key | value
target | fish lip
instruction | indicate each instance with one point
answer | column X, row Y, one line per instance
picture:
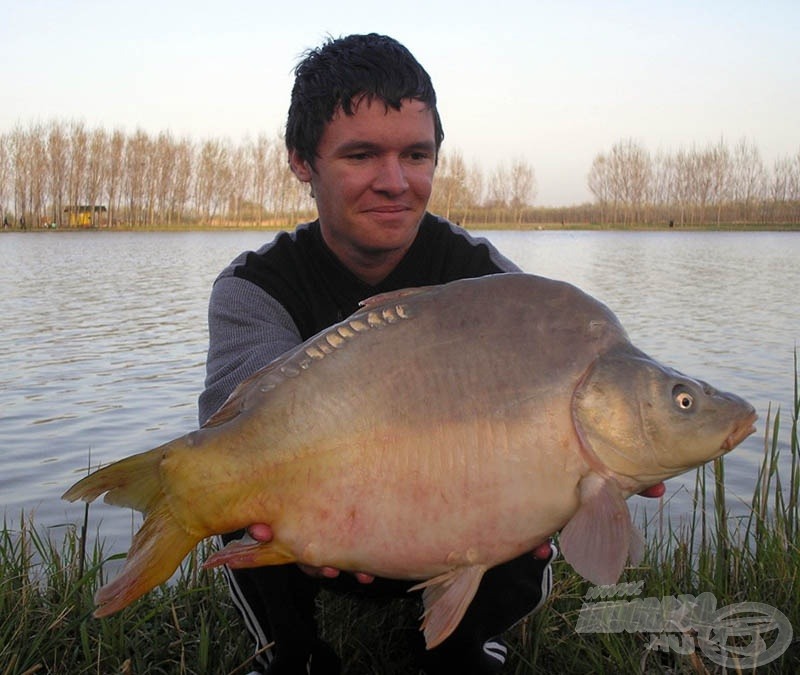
column 740, row 432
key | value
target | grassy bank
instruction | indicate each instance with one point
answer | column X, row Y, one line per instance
column 47, row 581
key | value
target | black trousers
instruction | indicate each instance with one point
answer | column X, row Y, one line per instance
column 278, row 605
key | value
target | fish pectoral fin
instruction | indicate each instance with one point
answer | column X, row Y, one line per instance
column 446, row 598
column 599, row 538
column 247, row 552
column 636, row 546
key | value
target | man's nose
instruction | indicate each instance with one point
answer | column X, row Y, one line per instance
column 391, row 176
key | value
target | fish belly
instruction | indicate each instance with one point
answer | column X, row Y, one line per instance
column 412, row 502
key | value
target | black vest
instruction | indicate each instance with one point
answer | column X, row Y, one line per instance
column 301, row 272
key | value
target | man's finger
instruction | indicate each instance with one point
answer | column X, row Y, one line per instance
column 260, row 532
column 656, row 490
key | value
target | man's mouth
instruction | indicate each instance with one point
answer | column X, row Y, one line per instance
column 388, row 208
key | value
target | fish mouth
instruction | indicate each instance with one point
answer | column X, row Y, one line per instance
column 740, row 432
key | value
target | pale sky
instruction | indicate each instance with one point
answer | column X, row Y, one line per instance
column 554, row 83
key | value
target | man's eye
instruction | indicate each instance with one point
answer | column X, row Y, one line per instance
column 420, row 157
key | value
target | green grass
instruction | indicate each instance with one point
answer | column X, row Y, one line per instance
column 47, row 580
column 46, row 624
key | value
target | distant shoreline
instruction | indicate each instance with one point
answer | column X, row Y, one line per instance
column 526, row 227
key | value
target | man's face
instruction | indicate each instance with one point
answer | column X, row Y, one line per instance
column 372, row 180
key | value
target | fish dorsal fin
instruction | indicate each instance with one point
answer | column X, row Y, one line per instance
column 599, row 538
column 235, row 403
column 446, row 598
column 294, row 362
column 390, row 296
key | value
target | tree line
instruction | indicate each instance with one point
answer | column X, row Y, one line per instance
column 699, row 185
column 138, row 179
column 49, row 171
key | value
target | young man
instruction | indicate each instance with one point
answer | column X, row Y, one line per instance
column 363, row 131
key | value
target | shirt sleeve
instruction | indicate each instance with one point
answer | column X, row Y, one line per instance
column 247, row 329
column 479, row 244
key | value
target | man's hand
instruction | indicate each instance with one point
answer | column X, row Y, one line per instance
column 543, row 551
column 260, row 532
column 263, row 532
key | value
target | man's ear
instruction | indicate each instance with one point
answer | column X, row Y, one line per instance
column 300, row 167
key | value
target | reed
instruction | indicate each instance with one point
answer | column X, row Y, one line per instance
column 46, row 626
column 48, row 578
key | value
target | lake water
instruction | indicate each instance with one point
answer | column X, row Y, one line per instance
column 104, row 337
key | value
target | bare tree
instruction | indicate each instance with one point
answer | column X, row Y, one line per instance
column 599, row 182
column 20, row 163
column 288, row 197
column 700, row 180
column 136, row 166
column 523, row 188
column 213, row 178
column 720, row 176
column 631, row 171
column 663, row 187
column 165, row 165
column 183, row 177
column 450, row 189
column 499, row 191
column 5, row 174
column 780, row 189
column 622, row 179
column 242, row 171
column 37, row 149
column 793, row 191
column 114, row 167
column 261, row 152
column 96, row 171
column 78, row 154
column 749, row 178
column 475, row 185
column 58, row 160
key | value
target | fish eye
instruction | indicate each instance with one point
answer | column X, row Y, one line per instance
column 683, row 399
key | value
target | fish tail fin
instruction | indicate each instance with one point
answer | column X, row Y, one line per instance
column 157, row 549
column 134, row 482
column 161, row 542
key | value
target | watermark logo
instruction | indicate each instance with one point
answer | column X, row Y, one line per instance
column 743, row 635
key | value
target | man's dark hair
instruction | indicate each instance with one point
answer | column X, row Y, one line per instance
column 343, row 71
